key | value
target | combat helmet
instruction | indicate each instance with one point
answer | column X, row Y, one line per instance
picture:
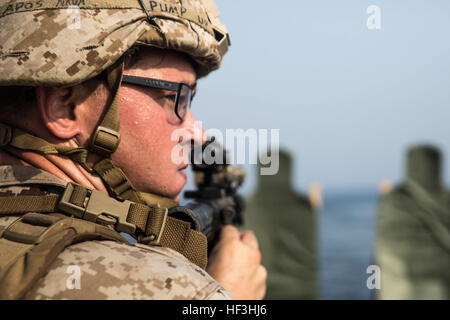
column 62, row 43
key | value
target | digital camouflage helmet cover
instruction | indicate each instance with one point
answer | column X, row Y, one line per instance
column 65, row 42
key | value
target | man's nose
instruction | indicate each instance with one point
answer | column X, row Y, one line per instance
column 194, row 128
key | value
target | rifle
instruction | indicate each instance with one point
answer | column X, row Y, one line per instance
column 215, row 202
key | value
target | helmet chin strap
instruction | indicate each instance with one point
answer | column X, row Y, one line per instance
column 104, row 142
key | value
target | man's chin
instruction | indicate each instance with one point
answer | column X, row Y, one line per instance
column 172, row 190
column 180, row 183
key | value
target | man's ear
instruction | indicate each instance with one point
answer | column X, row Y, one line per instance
column 56, row 108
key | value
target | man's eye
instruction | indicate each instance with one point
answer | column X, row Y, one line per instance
column 167, row 101
column 170, row 97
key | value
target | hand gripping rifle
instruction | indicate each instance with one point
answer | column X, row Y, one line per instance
column 215, row 202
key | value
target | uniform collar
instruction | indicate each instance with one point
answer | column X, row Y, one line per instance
column 16, row 175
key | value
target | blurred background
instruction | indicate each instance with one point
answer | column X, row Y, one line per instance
column 348, row 101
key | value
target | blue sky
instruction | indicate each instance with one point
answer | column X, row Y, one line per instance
column 348, row 100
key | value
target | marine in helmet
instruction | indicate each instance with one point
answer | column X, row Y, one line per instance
column 89, row 99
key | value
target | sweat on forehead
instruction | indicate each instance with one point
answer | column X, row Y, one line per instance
column 140, row 56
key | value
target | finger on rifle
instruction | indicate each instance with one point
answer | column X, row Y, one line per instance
column 229, row 232
column 249, row 238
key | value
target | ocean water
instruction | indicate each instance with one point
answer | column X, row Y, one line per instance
column 346, row 243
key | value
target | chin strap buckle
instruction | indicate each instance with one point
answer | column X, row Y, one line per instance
column 105, row 141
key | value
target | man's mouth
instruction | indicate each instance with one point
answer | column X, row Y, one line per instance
column 183, row 174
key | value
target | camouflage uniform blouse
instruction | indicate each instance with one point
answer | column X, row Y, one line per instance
column 108, row 269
